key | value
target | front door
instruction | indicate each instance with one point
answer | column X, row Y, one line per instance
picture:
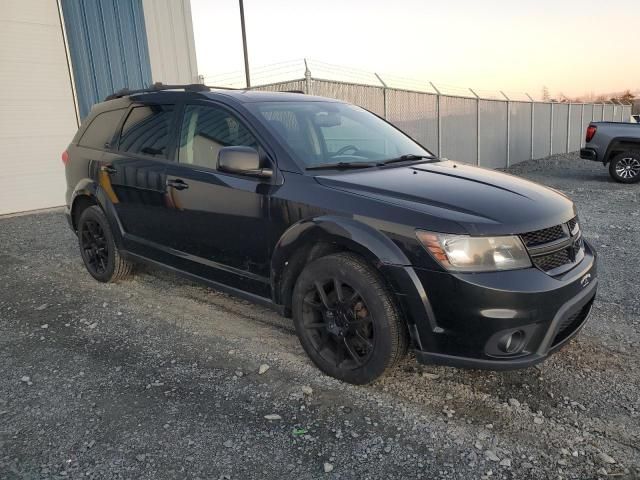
column 217, row 222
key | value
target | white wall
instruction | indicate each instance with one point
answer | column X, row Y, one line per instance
column 37, row 112
column 170, row 37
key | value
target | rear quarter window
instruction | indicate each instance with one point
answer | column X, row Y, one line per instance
column 101, row 129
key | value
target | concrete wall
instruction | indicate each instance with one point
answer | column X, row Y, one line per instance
column 170, row 38
column 37, row 112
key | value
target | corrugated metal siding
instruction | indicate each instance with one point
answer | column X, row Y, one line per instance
column 170, row 38
column 108, row 46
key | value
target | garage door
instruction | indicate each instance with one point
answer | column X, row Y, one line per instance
column 37, row 113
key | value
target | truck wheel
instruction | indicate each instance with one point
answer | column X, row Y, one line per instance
column 347, row 320
column 625, row 167
column 98, row 247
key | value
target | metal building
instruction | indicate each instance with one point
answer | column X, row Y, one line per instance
column 58, row 58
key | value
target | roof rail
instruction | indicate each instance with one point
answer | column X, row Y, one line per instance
column 158, row 87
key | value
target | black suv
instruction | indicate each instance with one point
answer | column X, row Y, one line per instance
column 333, row 216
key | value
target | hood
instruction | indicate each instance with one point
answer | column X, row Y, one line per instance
column 481, row 201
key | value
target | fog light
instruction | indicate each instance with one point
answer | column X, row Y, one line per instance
column 512, row 342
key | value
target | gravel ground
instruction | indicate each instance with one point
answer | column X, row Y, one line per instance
column 158, row 377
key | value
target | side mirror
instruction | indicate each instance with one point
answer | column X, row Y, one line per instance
column 242, row 161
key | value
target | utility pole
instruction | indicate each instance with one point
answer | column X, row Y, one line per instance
column 244, row 46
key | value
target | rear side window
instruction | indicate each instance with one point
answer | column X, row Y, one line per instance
column 146, row 131
column 101, row 129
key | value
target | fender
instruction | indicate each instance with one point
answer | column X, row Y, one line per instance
column 333, row 230
column 620, row 142
column 88, row 188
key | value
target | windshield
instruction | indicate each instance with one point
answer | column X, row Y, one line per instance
column 325, row 133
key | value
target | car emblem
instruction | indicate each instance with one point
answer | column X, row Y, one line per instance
column 584, row 281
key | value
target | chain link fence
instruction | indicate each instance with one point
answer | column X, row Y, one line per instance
column 491, row 133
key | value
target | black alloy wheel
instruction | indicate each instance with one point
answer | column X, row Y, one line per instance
column 95, row 247
column 342, row 331
column 347, row 319
column 98, row 247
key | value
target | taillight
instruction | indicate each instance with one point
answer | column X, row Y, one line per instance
column 591, row 131
column 65, row 157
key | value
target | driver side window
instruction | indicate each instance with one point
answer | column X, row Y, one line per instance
column 205, row 130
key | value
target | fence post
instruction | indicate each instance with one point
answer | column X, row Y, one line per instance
column 308, row 87
column 582, row 124
column 477, row 126
column 508, row 127
column 551, row 132
column 384, row 96
column 439, row 118
column 569, row 128
column 533, row 104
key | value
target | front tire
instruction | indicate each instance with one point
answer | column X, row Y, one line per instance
column 347, row 320
column 98, row 248
column 625, row 167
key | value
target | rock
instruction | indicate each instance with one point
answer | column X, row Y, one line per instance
column 263, row 369
column 604, row 458
column 327, row 467
column 42, row 307
column 239, row 373
column 228, row 444
column 491, row 455
column 431, row 376
column 603, row 471
column 307, row 390
column 93, row 325
column 514, row 403
column 505, row 462
column 140, row 457
column 562, row 462
column 538, row 420
column 387, row 449
column 273, row 416
column 45, row 326
column 26, row 379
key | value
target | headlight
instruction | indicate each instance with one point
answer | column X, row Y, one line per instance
column 463, row 253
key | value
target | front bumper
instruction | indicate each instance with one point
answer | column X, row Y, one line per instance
column 463, row 319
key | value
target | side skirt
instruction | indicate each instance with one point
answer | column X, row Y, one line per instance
column 211, row 283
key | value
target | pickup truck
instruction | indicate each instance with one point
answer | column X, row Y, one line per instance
column 617, row 144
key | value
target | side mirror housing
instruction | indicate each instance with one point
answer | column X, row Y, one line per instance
column 242, row 161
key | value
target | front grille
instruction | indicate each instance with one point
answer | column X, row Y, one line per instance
column 553, row 260
column 555, row 247
column 569, row 324
column 546, row 235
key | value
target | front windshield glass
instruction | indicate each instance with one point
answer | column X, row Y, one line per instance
column 321, row 133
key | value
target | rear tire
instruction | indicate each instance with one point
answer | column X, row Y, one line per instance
column 98, row 248
column 347, row 320
column 625, row 167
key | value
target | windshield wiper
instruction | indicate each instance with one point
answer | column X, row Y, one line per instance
column 342, row 165
column 406, row 158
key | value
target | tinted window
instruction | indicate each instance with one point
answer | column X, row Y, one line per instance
column 146, row 131
column 101, row 129
column 205, row 130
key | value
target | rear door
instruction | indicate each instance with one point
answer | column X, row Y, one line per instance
column 219, row 221
column 134, row 171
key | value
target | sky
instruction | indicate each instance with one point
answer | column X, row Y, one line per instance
column 574, row 47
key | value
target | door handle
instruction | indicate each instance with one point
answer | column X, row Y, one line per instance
column 108, row 169
column 177, row 184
